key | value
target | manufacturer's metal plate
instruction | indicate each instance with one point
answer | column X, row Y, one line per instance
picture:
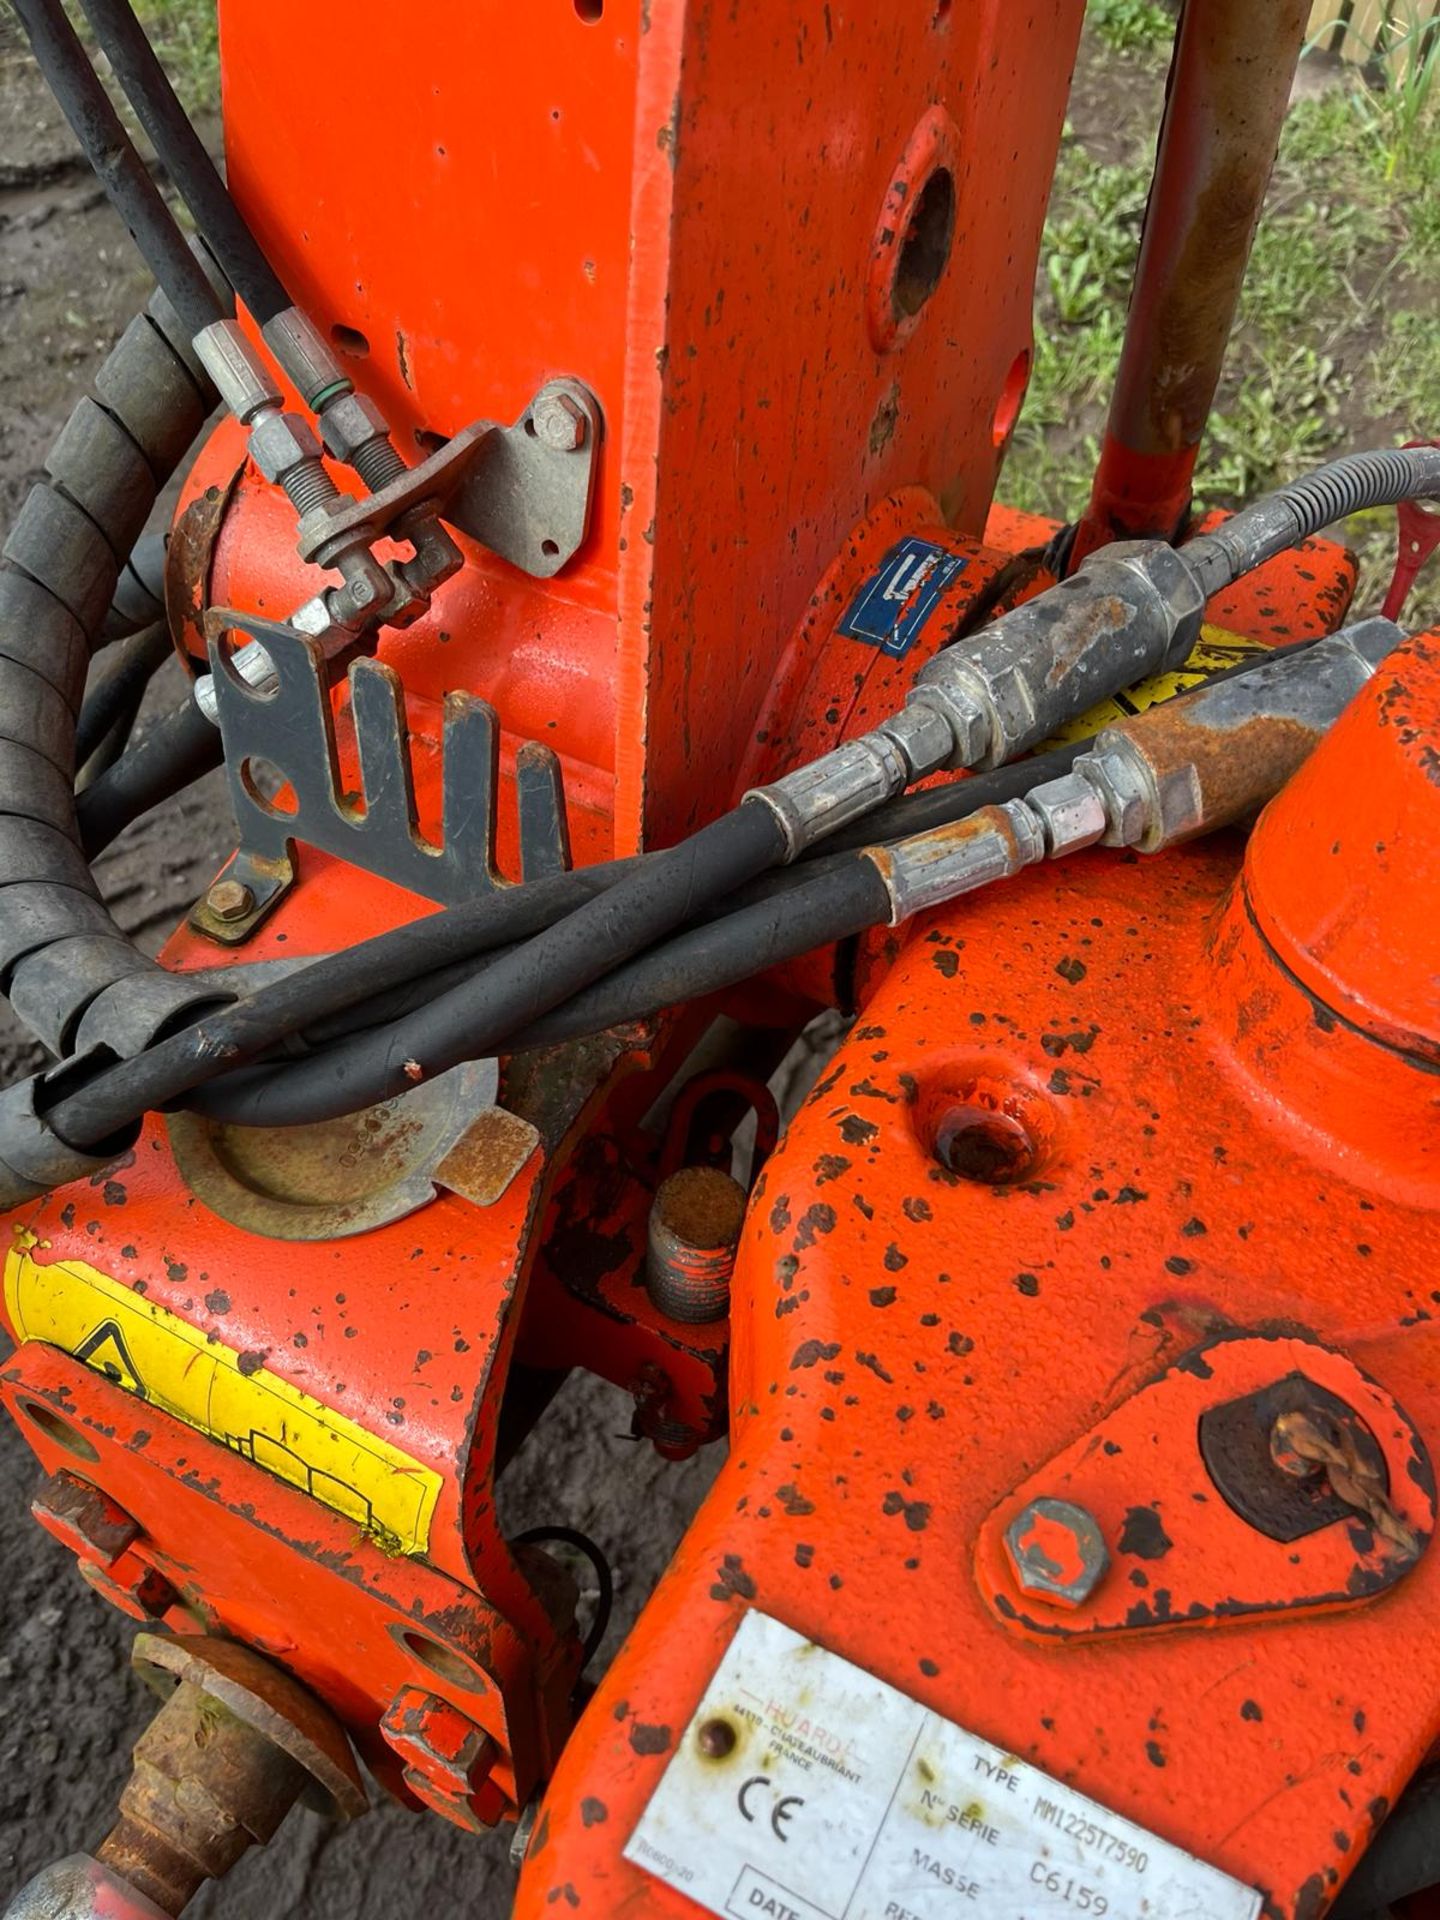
column 805, row 1789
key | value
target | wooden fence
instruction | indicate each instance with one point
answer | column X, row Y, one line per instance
column 1377, row 34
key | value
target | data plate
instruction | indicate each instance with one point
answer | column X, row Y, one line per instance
column 805, row 1789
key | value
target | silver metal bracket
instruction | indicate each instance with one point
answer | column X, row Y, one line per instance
column 524, row 491
column 527, row 494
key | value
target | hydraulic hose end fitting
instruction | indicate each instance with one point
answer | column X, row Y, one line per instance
column 828, row 793
column 305, row 354
column 240, row 375
column 1129, row 611
column 929, row 869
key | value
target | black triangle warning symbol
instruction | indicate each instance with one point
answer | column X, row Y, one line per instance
column 105, row 1350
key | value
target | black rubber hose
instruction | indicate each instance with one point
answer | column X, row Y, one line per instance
column 139, row 592
column 1402, row 1859
column 169, row 756
column 845, row 899
column 118, row 167
column 471, row 1020
column 1257, row 533
column 116, row 700
column 183, row 155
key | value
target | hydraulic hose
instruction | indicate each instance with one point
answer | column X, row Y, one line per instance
column 183, row 155
column 470, row 1020
column 1257, row 533
column 169, row 756
column 118, row 167
column 391, row 976
column 113, row 705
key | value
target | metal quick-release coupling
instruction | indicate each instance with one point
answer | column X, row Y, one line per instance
column 1131, row 610
column 1184, row 767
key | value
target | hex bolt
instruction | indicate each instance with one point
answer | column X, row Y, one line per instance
column 1057, row 1552
column 230, row 900
column 559, row 421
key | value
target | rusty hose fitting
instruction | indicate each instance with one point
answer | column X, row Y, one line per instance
column 1182, row 768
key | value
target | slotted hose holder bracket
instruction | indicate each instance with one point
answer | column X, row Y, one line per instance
column 283, row 765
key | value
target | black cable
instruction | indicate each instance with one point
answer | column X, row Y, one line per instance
column 846, row 899
column 183, row 155
column 604, row 1580
column 114, row 703
column 168, row 757
column 117, row 165
column 476, row 1016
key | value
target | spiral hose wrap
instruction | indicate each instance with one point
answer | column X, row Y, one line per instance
column 59, row 947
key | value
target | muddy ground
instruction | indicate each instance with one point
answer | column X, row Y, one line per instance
column 69, row 282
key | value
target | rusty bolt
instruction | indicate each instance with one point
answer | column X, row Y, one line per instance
column 559, row 421
column 84, row 1519
column 1057, row 1552
column 230, row 900
column 437, row 1740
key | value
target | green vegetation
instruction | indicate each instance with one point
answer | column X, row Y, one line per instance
column 1337, row 344
column 187, row 38
column 1131, row 26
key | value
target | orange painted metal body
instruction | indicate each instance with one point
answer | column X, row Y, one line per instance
column 1224, row 1165
column 703, row 216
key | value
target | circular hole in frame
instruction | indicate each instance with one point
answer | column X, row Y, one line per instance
column 350, row 341
column 441, row 1660
column 925, row 251
column 64, row 1433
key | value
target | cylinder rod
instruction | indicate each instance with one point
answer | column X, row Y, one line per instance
column 1229, row 88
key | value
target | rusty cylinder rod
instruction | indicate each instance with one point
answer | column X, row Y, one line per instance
column 1228, row 92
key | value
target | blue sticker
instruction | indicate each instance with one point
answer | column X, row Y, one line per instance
column 892, row 607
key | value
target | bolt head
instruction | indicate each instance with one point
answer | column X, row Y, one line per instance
column 230, row 900
column 559, row 421
column 1057, row 1552
column 438, row 1741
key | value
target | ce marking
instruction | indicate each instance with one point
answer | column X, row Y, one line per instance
column 782, row 1809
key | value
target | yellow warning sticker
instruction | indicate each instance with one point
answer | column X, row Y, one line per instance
column 162, row 1359
column 1213, row 652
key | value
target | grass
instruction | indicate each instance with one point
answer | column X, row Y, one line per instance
column 186, row 35
column 1336, row 344
column 1131, row 26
